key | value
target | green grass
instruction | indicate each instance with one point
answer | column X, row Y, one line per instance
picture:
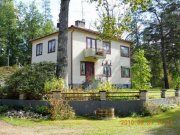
column 165, row 123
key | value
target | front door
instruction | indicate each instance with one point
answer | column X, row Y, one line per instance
column 89, row 71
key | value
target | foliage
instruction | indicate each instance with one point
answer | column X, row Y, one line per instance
column 160, row 39
column 3, row 108
column 105, row 86
column 112, row 21
column 54, row 84
column 60, row 110
column 44, row 110
column 32, row 79
column 18, row 26
column 140, row 71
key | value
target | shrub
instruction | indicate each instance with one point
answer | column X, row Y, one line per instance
column 3, row 108
column 60, row 110
column 30, row 80
column 44, row 110
column 107, row 86
column 54, row 84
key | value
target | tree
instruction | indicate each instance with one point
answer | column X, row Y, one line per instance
column 7, row 36
column 47, row 17
column 46, row 10
column 62, row 58
column 140, row 71
column 162, row 33
column 31, row 25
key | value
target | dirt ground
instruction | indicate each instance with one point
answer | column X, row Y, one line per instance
column 8, row 129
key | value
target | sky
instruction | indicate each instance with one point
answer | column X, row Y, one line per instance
column 75, row 11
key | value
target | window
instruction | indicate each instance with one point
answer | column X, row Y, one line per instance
column 51, row 46
column 107, row 47
column 91, row 43
column 107, row 71
column 125, row 72
column 82, row 68
column 124, row 51
column 39, row 49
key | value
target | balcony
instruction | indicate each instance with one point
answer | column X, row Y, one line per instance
column 95, row 54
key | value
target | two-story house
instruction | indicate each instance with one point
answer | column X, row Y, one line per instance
column 88, row 57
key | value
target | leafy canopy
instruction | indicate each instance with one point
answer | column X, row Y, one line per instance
column 141, row 72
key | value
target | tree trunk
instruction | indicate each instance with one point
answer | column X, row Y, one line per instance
column 163, row 55
column 62, row 57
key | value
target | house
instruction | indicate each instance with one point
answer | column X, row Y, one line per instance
column 88, row 58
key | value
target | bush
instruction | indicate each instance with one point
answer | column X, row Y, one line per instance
column 53, row 84
column 60, row 110
column 44, row 110
column 30, row 80
column 3, row 109
column 107, row 86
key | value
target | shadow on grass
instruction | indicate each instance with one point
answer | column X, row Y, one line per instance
column 170, row 123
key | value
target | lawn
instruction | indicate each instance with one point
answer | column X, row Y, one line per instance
column 165, row 123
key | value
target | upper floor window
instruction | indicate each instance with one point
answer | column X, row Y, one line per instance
column 91, row 43
column 125, row 72
column 51, row 46
column 124, row 51
column 39, row 49
column 107, row 47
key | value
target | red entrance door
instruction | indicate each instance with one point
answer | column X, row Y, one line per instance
column 89, row 71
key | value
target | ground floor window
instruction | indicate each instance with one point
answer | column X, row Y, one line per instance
column 107, row 71
column 82, row 68
column 125, row 72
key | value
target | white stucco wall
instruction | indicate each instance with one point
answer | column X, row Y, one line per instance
column 50, row 57
column 79, row 44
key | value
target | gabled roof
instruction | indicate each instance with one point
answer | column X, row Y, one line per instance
column 72, row 27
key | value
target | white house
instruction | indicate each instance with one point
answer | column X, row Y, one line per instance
column 88, row 57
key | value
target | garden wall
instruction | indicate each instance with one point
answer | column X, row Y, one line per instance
column 122, row 107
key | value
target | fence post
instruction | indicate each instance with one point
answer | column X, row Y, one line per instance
column 143, row 95
column 56, row 94
column 177, row 92
column 103, row 95
column 163, row 93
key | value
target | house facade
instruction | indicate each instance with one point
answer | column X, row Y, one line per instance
column 88, row 58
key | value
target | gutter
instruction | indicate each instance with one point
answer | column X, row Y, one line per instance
column 72, row 58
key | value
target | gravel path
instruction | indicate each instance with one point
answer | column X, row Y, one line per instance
column 8, row 129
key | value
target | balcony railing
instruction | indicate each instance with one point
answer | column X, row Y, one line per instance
column 94, row 53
